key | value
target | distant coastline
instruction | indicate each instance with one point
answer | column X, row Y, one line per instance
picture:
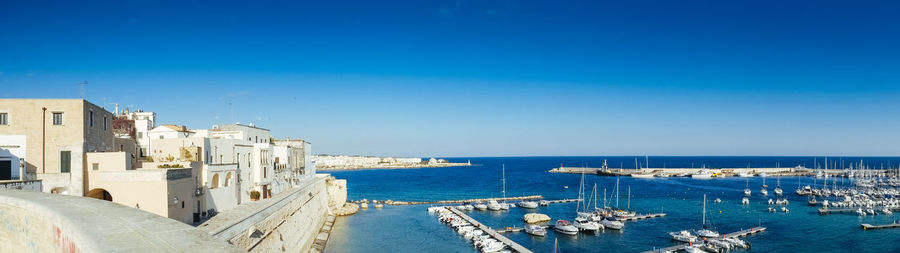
column 342, row 162
column 388, row 166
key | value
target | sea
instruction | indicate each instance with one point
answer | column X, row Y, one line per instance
column 413, row 229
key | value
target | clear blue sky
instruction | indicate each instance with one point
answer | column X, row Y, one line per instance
column 483, row 78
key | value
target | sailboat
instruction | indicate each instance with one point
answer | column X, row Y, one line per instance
column 778, row 190
column 747, row 191
column 705, row 232
column 763, row 190
column 582, row 217
column 503, row 205
column 610, row 221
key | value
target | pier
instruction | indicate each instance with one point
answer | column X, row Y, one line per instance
column 487, row 230
column 641, row 217
column 741, row 233
column 459, row 201
column 826, row 211
column 870, row 226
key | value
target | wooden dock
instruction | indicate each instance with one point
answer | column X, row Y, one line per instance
column 741, row 233
column 641, row 217
column 459, row 201
column 515, row 247
column 870, row 226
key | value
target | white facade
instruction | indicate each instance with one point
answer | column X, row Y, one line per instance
column 251, row 133
column 12, row 151
column 143, row 123
column 169, row 132
column 361, row 161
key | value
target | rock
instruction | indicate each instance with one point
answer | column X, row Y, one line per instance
column 536, row 218
column 347, row 209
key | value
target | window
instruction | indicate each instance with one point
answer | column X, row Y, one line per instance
column 4, row 118
column 161, row 137
column 91, row 118
column 65, row 161
column 57, row 118
column 140, row 135
column 104, row 122
column 95, row 166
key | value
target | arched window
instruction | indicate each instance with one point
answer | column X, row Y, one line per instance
column 228, row 179
column 215, row 181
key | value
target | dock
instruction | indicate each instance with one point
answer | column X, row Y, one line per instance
column 641, row 217
column 825, row 211
column 515, row 247
column 741, row 233
column 459, row 201
column 560, row 201
column 870, row 226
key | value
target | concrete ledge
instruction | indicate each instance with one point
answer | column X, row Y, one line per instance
column 43, row 222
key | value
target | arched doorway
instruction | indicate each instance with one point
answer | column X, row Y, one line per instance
column 99, row 193
column 215, row 181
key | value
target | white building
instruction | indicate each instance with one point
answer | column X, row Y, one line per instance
column 169, row 132
column 143, row 123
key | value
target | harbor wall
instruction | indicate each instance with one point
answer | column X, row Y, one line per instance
column 289, row 221
column 47, row 222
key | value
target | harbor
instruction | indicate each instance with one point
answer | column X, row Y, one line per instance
column 468, row 226
column 680, row 198
column 737, row 234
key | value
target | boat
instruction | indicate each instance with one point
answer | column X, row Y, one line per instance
column 379, row 205
column 544, row 203
column 586, row 225
column 718, row 200
column 704, row 231
column 763, row 174
column 784, row 209
column 704, row 174
column 364, row 205
column 887, row 211
column 745, row 174
column 642, row 175
column 493, row 205
column 721, row 244
column 747, row 191
column 480, row 206
column 535, row 230
column 737, row 242
column 528, row 204
column 745, row 201
column 612, row 223
column 565, row 227
column 871, row 211
column 683, row 236
column 860, row 212
column 778, row 190
column 693, row 249
column 812, row 201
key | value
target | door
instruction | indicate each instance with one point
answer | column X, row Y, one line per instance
column 5, row 170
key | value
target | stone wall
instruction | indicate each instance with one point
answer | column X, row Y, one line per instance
column 27, row 185
column 46, row 222
column 287, row 222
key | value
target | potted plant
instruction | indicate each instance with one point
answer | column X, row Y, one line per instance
column 254, row 195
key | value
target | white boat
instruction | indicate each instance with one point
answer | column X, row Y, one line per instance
column 887, row 211
column 683, row 236
column 612, row 223
column 693, row 249
column 860, row 212
column 528, row 204
column 565, row 227
column 642, row 175
column 586, row 225
column 871, row 211
column 763, row 174
column 721, row 244
column 704, row 232
column 747, row 192
column 745, row 174
column 470, row 207
column 738, row 242
column 504, row 206
column 718, row 200
column 778, row 190
column 480, row 206
column 535, row 230
column 493, row 205
column 704, row 174
column 764, row 192
column 784, row 209
column 745, row 201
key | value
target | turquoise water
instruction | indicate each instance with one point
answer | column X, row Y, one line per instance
column 412, row 229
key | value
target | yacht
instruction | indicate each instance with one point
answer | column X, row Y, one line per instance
column 738, row 242
column 493, row 205
column 586, row 225
column 705, row 232
column 642, row 175
column 565, row 227
column 778, row 190
column 612, row 223
column 535, row 230
column 683, row 236
column 480, row 206
column 747, row 191
column 528, row 204
column 704, row 174
column 812, row 201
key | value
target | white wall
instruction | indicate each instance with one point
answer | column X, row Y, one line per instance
column 12, row 148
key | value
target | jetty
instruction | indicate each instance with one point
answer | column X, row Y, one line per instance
column 870, row 226
column 741, row 233
column 459, row 201
column 825, row 211
column 686, row 172
column 641, row 217
column 493, row 233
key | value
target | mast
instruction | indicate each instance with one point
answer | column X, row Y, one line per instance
column 605, row 204
column 617, row 192
column 629, row 197
column 503, row 173
column 595, row 196
column 704, row 210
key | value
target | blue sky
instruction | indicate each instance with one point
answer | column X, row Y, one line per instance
column 482, row 78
